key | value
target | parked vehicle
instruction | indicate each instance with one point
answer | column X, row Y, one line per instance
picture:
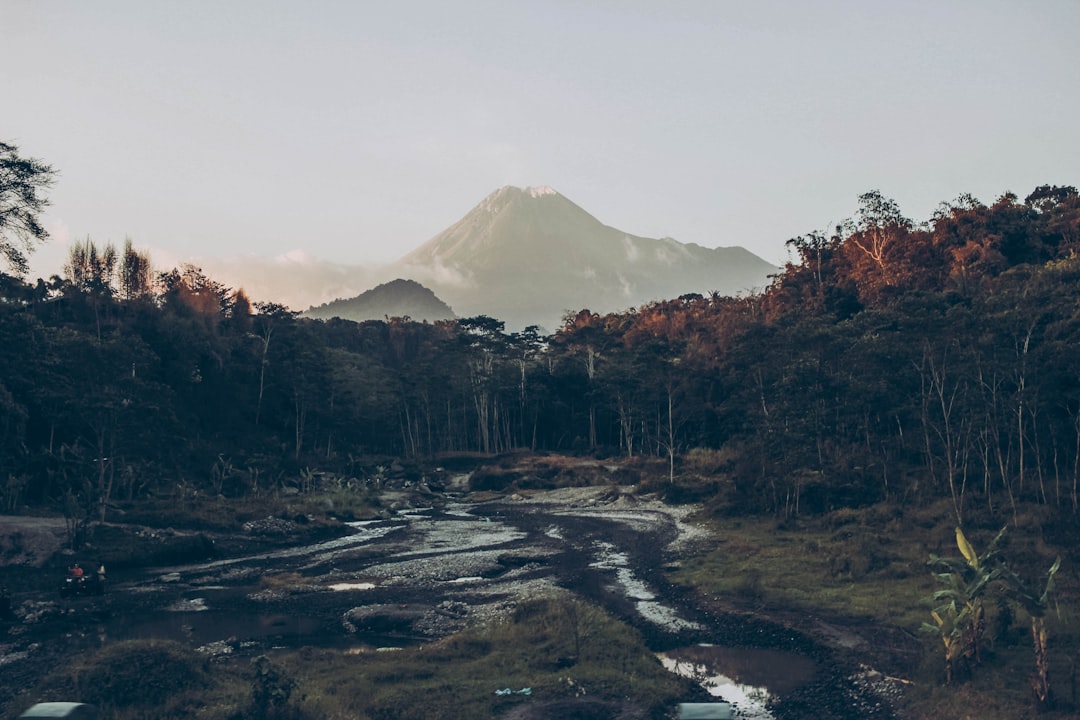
column 73, row 710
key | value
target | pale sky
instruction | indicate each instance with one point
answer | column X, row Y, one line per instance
column 356, row 131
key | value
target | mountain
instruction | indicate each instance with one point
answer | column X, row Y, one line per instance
column 528, row 256
column 397, row 298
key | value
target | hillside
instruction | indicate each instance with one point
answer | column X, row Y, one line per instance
column 397, row 298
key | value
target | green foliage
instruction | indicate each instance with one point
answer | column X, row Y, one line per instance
column 960, row 618
column 959, row 614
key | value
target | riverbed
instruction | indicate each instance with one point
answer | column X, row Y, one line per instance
column 426, row 572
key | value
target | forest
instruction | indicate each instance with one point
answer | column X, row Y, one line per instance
column 889, row 359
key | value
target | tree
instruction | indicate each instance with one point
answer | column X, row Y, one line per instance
column 22, row 181
column 91, row 270
column 486, row 348
column 133, row 275
column 270, row 315
column 880, row 230
column 1058, row 208
column 816, row 252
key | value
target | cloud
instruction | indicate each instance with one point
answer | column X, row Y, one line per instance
column 669, row 252
column 58, row 229
column 294, row 279
column 437, row 273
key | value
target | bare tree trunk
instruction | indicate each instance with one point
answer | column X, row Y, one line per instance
column 263, row 362
column 671, row 437
column 1076, row 466
column 1040, row 681
column 301, row 420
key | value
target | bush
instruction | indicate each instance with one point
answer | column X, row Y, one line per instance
column 491, row 480
column 142, row 673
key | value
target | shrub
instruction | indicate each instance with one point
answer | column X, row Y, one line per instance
column 142, row 672
column 491, row 480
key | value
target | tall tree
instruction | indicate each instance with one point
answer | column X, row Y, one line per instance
column 133, row 276
column 876, row 243
column 1059, row 213
column 22, row 185
column 91, row 269
column 269, row 317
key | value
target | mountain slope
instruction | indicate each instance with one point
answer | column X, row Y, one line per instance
column 528, row 256
column 397, row 298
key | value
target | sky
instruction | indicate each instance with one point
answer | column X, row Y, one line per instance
column 239, row 134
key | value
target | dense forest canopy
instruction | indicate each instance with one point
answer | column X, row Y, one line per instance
column 888, row 359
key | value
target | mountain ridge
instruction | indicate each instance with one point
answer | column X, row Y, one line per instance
column 530, row 256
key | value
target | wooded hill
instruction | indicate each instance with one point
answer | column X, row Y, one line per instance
column 889, row 359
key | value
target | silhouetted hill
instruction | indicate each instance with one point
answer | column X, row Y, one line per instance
column 397, row 298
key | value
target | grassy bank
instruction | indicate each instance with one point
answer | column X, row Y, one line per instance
column 869, row 567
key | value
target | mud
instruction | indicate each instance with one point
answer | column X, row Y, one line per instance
column 428, row 572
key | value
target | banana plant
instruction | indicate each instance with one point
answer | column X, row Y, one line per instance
column 1037, row 604
column 966, row 581
column 949, row 623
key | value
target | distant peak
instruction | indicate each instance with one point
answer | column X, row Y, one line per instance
column 497, row 201
column 534, row 191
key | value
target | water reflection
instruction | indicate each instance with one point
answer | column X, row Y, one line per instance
column 748, row 678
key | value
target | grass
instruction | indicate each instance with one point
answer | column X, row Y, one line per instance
column 870, row 564
column 836, row 564
column 556, row 646
column 206, row 512
column 128, row 679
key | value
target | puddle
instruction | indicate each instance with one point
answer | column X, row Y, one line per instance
column 748, row 678
column 636, row 589
column 554, row 532
column 413, row 512
column 343, row 586
column 200, row 625
column 192, row 605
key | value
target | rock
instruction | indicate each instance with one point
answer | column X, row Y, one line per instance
column 270, row 526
